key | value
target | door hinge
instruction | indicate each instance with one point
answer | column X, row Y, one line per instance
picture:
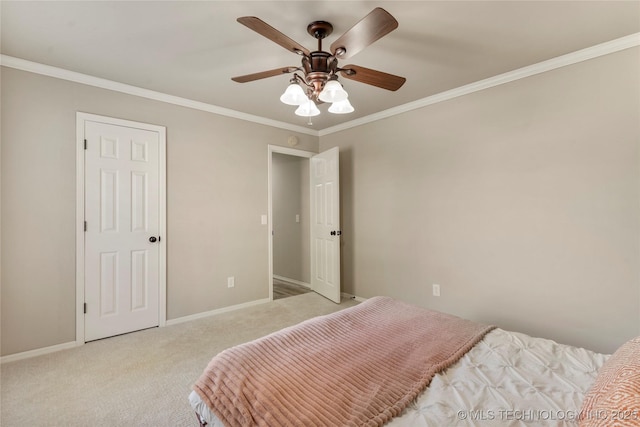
column 85, row 226
column 85, row 308
column 85, row 144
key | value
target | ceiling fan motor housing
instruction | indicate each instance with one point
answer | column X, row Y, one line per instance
column 317, row 69
column 317, row 66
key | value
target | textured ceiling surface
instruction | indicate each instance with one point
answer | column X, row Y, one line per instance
column 192, row 49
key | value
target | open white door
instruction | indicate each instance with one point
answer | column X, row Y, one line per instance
column 325, row 224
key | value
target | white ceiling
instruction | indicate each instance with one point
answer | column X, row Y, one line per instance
column 192, row 49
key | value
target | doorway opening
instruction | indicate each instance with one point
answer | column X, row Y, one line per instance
column 289, row 204
column 303, row 212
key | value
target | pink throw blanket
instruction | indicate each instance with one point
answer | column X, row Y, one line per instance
column 357, row 367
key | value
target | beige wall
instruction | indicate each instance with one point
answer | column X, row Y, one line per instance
column 290, row 197
column 216, row 193
column 522, row 201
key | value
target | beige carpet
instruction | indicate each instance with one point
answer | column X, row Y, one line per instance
column 139, row 379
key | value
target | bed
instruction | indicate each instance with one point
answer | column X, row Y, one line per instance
column 385, row 362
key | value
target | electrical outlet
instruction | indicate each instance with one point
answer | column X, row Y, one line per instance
column 231, row 282
column 436, row 290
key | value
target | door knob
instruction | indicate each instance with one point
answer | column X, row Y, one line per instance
column 152, row 239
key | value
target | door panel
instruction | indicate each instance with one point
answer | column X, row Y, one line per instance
column 108, row 283
column 325, row 224
column 122, row 212
column 139, row 280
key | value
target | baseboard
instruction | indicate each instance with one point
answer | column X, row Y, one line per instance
column 38, row 352
column 216, row 311
column 293, row 281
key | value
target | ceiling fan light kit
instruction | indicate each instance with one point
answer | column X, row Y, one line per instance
column 341, row 107
column 333, row 92
column 319, row 70
column 307, row 109
column 294, row 95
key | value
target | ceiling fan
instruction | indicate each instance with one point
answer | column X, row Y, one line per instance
column 320, row 68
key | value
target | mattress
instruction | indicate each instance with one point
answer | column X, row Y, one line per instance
column 507, row 379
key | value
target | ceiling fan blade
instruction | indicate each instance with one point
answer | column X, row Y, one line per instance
column 264, row 74
column 266, row 30
column 372, row 77
column 372, row 27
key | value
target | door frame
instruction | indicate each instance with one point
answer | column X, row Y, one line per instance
column 81, row 118
column 280, row 150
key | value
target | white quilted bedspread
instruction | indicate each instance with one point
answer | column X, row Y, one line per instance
column 507, row 379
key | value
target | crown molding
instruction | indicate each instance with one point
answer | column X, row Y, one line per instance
column 60, row 73
column 616, row 45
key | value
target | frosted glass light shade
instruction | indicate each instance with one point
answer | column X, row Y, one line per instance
column 333, row 92
column 308, row 109
column 341, row 107
column 294, row 95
